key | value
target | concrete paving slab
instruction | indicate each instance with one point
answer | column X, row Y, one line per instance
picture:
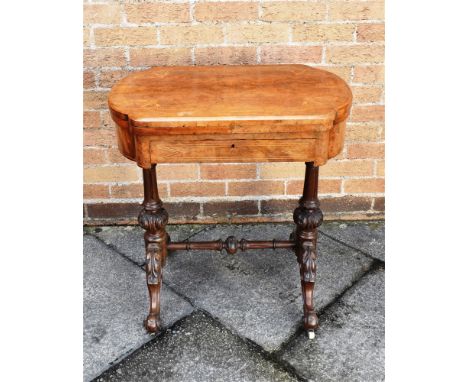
column 115, row 305
column 197, row 349
column 350, row 343
column 257, row 293
column 368, row 236
column 129, row 240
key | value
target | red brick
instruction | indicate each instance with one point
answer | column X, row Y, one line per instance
column 366, row 94
column 356, row 10
column 290, row 54
column 198, row 189
column 228, row 171
column 89, row 80
column 159, row 12
column 125, row 36
column 379, row 204
column 323, row 32
column 226, row 11
column 282, row 170
column 336, row 168
column 364, row 185
column 326, row 186
column 93, row 100
column 328, row 205
column 362, row 132
column 262, row 187
column 106, row 120
column 126, row 191
column 91, row 120
column 275, row 206
column 115, row 157
column 293, row 11
column 230, row 208
column 370, row 113
column 94, row 156
column 135, row 190
column 345, row 204
column 95, row 191
column 355, row 54
column 177, row 171
column 86, row 37
column 116, row 212
column 108, row 78
column 366, row 150
column 370, row 74
column 371, row 32
column 343, row 72
column 99, row 137
column 380, row 168
column 191, row 34
column 103, row 57
column 226, row 55
column 257, row 33
column 103, row 174
column 160, row 56
column 101, row 14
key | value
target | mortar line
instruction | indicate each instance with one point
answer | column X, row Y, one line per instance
column 251, row 346
column 171, row 287
column 288, row 343
column 260, row 350
column 257, row 348
column 274, row 356
column 368, row 255
column 114, row 249
column 153, row 337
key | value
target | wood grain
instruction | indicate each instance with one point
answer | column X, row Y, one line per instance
column 196, row 105
column 255, row 113
column 233, row 150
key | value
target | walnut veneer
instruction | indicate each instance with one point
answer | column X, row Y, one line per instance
column 257, row 113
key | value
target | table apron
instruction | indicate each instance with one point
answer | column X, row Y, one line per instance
column 236, row 150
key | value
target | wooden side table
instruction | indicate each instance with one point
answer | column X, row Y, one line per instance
column 258, row 113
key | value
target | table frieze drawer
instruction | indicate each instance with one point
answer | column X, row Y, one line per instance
column 233, row 150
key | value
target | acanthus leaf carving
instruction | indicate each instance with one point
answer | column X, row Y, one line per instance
column 153, row 220
column 308, row 219
column 153, row 262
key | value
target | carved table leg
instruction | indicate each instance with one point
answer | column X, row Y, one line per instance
column 153, row 218
column 308, row 217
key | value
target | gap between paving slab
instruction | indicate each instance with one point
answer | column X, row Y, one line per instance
column 199, row 348
column 367, row 237
column 115, row 304
column 285, row 344
column 256, row 293
column 351, row 343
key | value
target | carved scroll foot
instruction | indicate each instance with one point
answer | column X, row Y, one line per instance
column 153, row 322
column 154, row 221
column 308, row 217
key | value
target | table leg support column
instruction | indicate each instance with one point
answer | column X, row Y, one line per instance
column 308, row 217
column 153, row 219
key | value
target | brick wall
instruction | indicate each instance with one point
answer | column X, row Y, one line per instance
column 345, row 37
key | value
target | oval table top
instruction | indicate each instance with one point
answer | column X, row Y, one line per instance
column 197, row 96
